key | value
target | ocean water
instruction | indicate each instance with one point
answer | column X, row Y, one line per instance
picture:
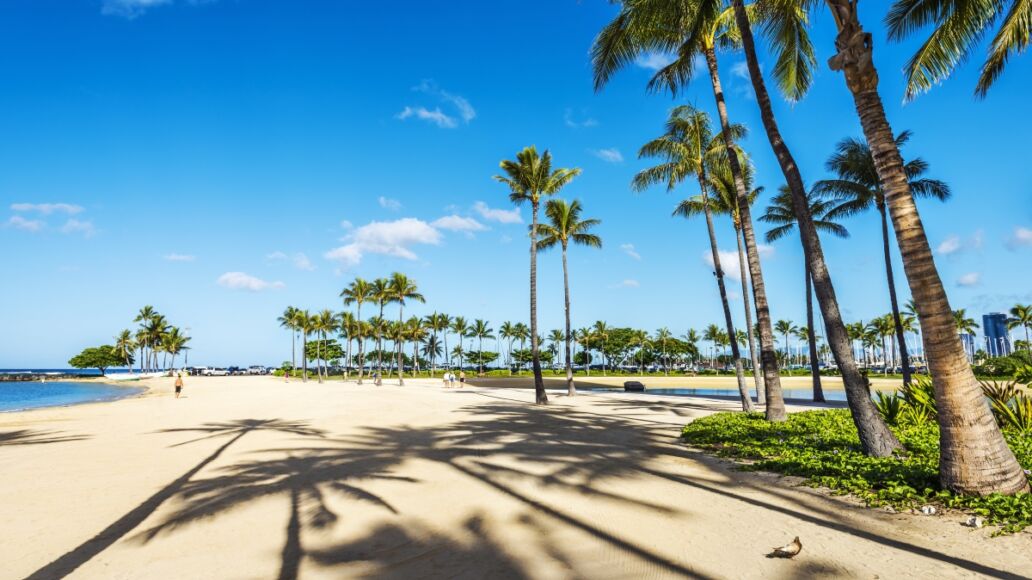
column 21, row 395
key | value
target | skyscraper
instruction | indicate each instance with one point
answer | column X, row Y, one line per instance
column 997, row 341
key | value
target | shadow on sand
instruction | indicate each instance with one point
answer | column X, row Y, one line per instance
column 36, row 437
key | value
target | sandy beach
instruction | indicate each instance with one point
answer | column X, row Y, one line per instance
column 251, row 477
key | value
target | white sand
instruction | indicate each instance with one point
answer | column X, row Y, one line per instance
column 253, row 478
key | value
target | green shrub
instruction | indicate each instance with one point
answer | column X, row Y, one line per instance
column 823, row 448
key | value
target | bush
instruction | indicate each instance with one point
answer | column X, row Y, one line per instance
column 823, row 448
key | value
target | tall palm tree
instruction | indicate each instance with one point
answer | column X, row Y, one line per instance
column 460, row 327
column 304, row 324
column 358, row 292
column 326, row 323
column 416, row 332
column 785, row 328
column 444, row 321
column 640, row 338
column 507, row 332
column 175, row 341
column 957, row 29
column 124, row 347
column 432, row 350
column 1021, row 317
column 530, row 178
column 555, row 337
column 858, row 185
column 155, row 327
column 402, row 289
column 964, row 324
column 435, row 323
column 692, row 339
column 565, row 225
column 689, row 148
column 287, row 320
column 662, row 337
column 781, row 214
column 712, row 333
column 725, row 201
column 690, row 29
column 143, row 317
column 882, row 327
column 347, row 326
column 481, row 330
column 974, row 456
column 380, row 293
column 600, row 331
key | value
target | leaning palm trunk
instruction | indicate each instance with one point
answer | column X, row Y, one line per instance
column 719, row 272
column 974, row 457
column 761, row 398
column 540, row 397
column 875, row 437
column 811, row 336
column 401, row 363
column 904, row 356
column 571, row 390
column 774, row 400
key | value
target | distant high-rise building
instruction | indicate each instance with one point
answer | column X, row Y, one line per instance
column 997, row 341
column 968, row 341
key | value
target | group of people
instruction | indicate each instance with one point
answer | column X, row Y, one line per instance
column 449, row 378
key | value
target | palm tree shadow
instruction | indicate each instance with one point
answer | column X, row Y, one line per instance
column 36, row 437
column 235, row 430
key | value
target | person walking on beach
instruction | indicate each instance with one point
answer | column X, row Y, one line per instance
column 179, row 384
column 445, row 376
column 462, row 378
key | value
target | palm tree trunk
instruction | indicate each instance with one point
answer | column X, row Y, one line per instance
column 815, row 365
column 540, row 397
column 761, row 397
column 719, row 273
column 875, row 437
column 904, row 356
column 361, row 342
column 293, row 350
column 775, row 403
column 974, row 457
column 570, row 389
column 304, row 356
column 401, row 367
column 379, row 341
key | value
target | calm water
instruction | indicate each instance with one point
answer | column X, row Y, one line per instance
column 805, row 394
column 17, row 396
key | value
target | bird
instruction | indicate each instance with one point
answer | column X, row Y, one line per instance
column 789, row 550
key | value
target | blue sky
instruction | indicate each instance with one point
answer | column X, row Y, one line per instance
column 223, row 159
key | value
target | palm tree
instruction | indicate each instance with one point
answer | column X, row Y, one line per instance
column 1021, row 317
column 974, row 458
column 287, row 320
column 555, row 337
column 882, row 327
column 401, row 289
column 858, row 185
column 326, row 322
column 688, row 147
column 565, row 225
column 964, row 324
column 957, row 29
column 507, row 332
column 640, row 338
column 712, row 333
column 175, row 341
column 432, row 350
column 444, row 323
column 692, row 338
column 781, row 214
column 529, row 178
column 690, row 29
column 347, row 325
column 124, row 347
column 304, row 324
column 600, row 331
column 663, row 335
column 416, row 332
column 460, row 327
column 436, row 323
column 380, row 293
column 155, row 327
column 143, row 317
column 357, row 292
column 481, row 330
column 785, row 328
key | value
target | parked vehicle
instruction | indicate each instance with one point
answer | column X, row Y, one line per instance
column 215, row 372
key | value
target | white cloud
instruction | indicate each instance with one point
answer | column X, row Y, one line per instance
column 574, row 123
column 388, row 203
column 950, row 245
column 729, row 260
column 466, row 111
column 630, row 251
column 627, row 283
column 654, row 60
column 505, row 216
column 1021, row 238
column 456, row 223
column 741, row 70
column 437, row 116
column 242, row 281
column 299, row 260
column 393, row 238
column 19, row 223
column 173, row 257
column 74, row 226
column 969, row 279
column 347, row 225
column 611, row 155
column 47, row 208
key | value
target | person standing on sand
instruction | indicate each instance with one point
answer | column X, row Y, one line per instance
column 445, row 380
column 179, row 384
column 462, row 378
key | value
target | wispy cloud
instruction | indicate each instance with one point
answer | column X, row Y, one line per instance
column 729, row 260
column 244, row 281
column 74, row 226
column 298, row 259
column 654, row 60
column 174, row 257
column 1021, row 238
column 950, row 245
column 19, row 223
column 504, row 216
column 611, row 155
column 970, row 279
column 393, row 238
column 388, row 203
column 463, row 110
column 627, row 283
column 457, row 223
column 741, row 70
column 578, row 123
column 47, row 208
column 629, row 250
